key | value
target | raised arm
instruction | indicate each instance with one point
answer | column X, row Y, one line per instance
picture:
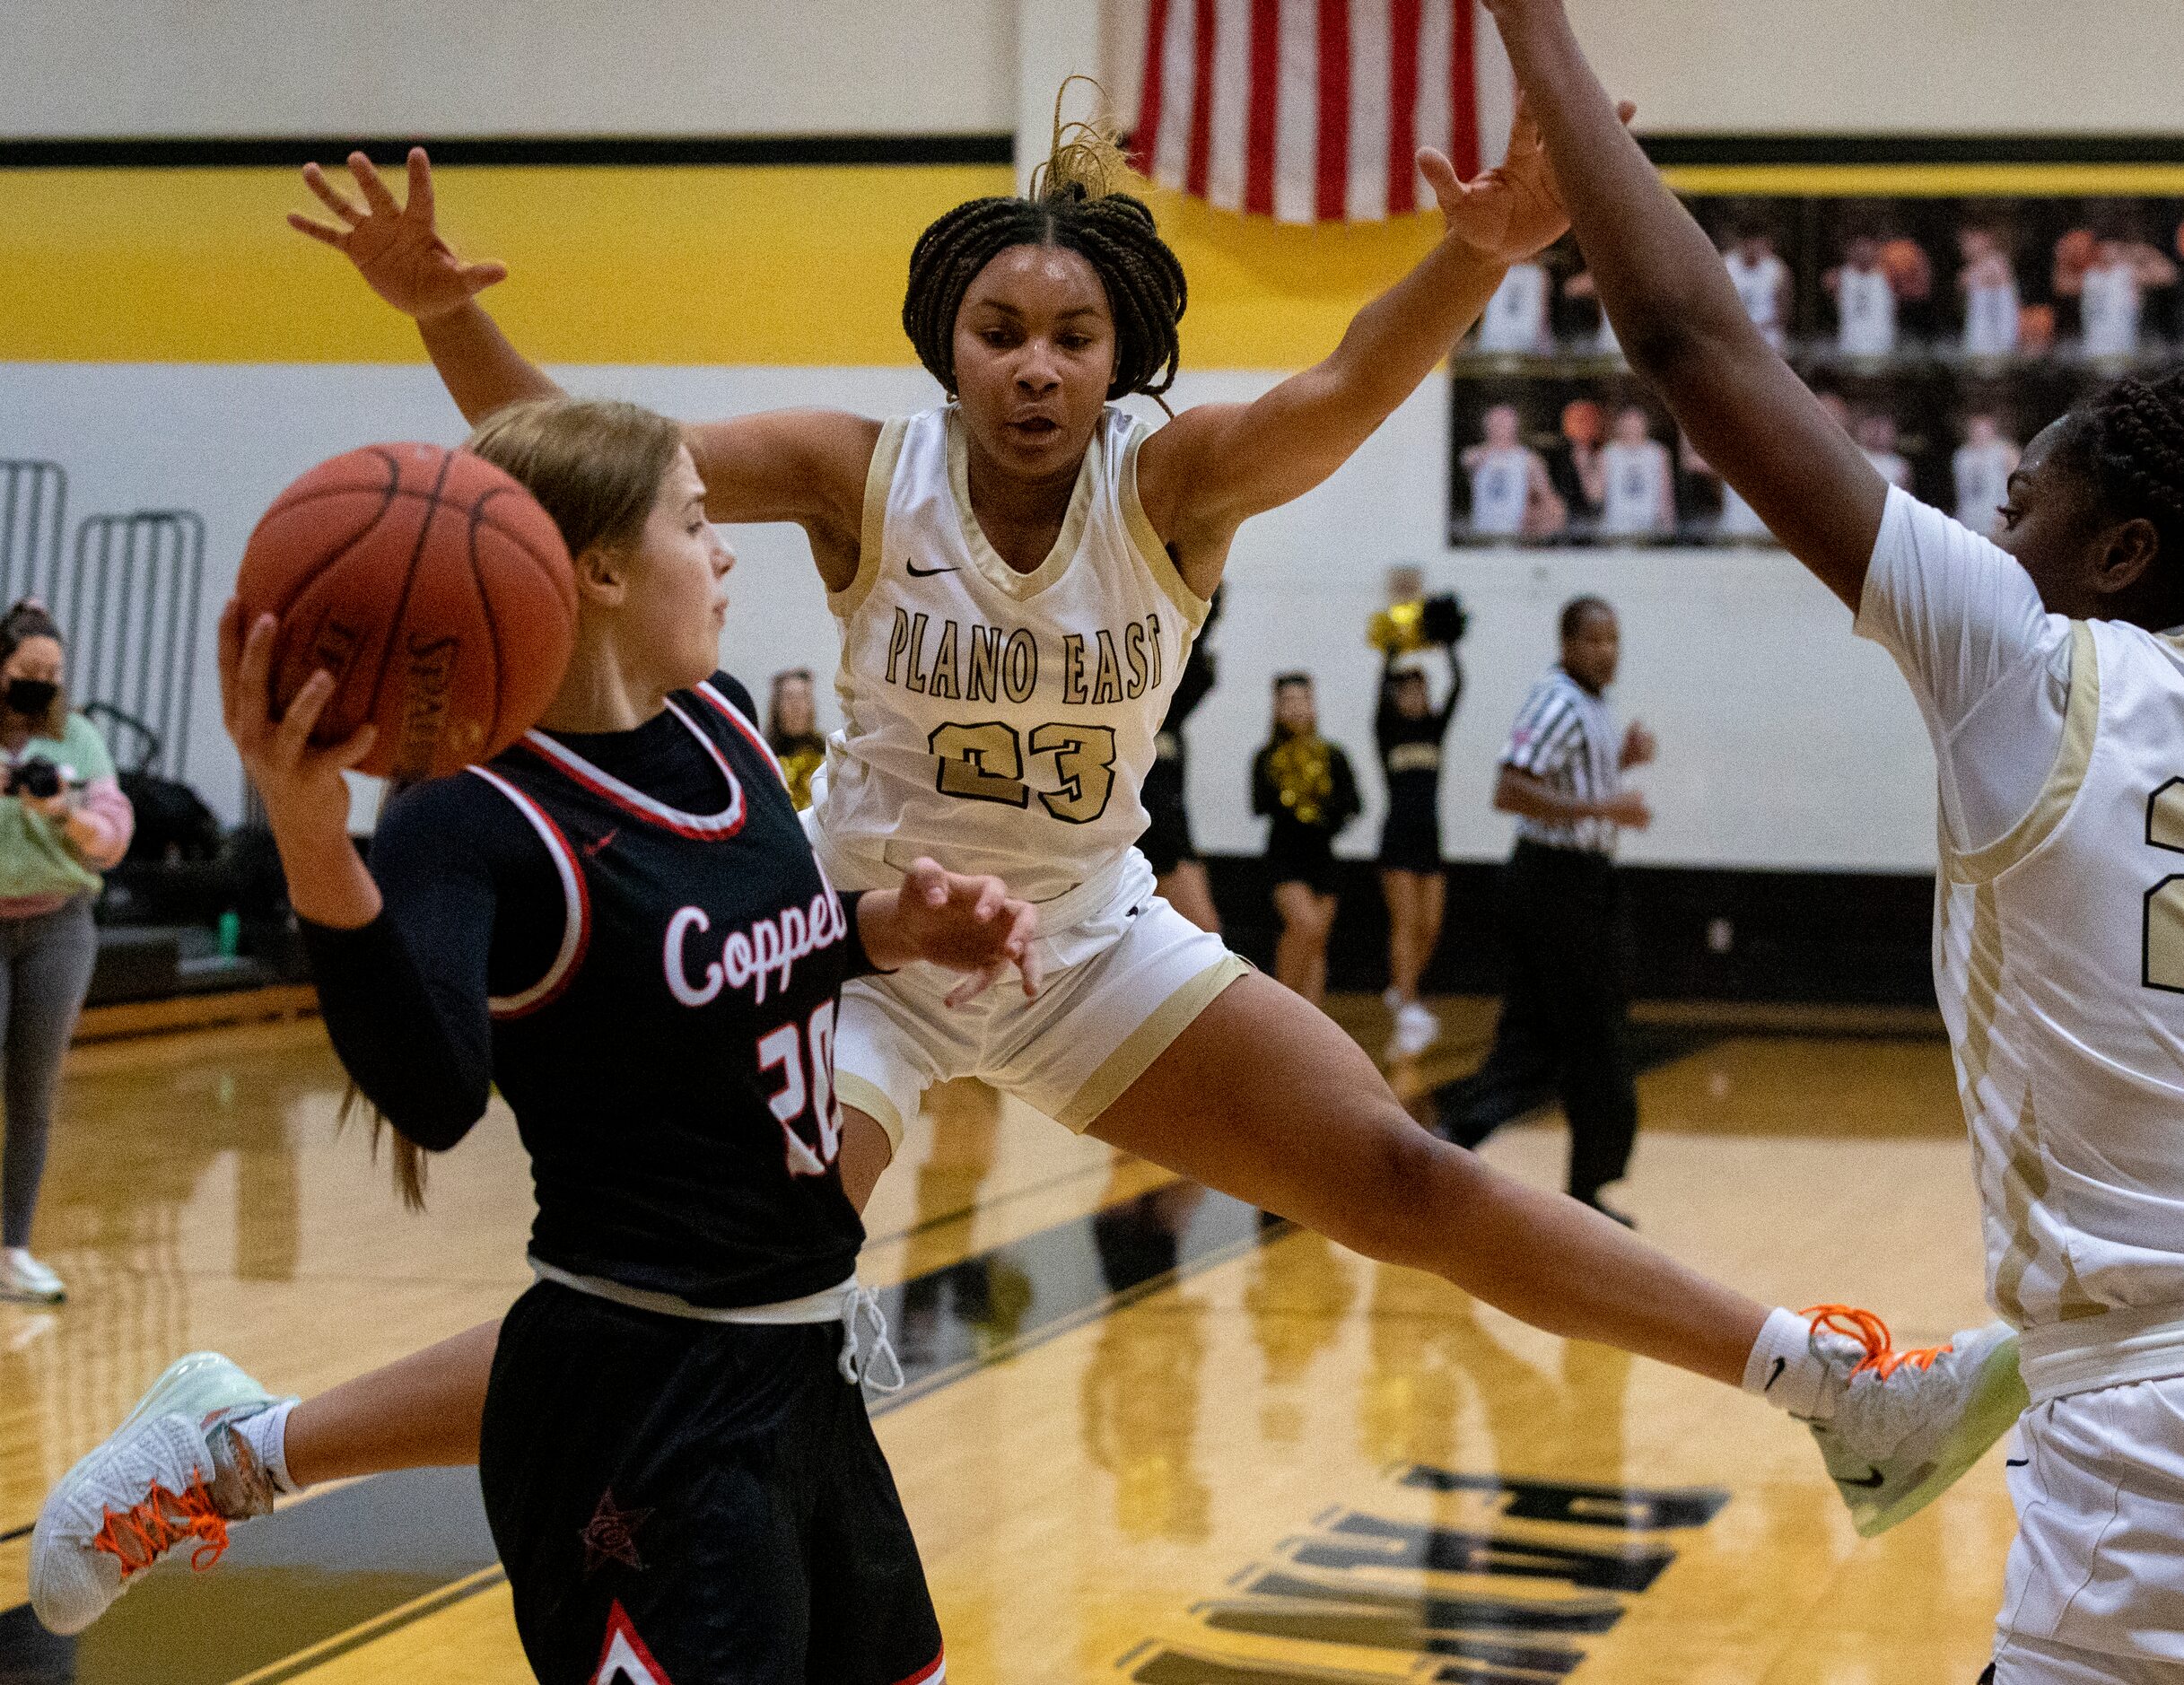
column 1679, row 321
column 1215, row 465
column 802, row 466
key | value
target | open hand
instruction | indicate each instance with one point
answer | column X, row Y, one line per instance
column 1640, row 746
column 396, row 248
column 300, row 782
column 972, row 925
column 1627, row 808
column 1514, row 211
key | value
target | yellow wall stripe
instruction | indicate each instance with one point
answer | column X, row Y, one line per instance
column 792, row 265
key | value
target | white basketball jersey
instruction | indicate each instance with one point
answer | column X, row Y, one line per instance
column 1991, row 320
column 1982, row 482
column 1516, row 317
column 1759, row 286
column 1501, row 490
column 2109, row 309
column 1866, row 312
column 1739, row 520
column 999, row 721
column 2059, row 956
column 1636, row 484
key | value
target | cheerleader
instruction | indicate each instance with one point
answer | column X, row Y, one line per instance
column 792, row 732
column 1410, row 731
column 1304, row 788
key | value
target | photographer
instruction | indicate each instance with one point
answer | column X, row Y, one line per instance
column 63, row 821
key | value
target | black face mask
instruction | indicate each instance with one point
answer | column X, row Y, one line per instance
column 31, row 697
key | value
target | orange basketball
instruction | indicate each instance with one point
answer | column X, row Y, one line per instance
column 431, row 586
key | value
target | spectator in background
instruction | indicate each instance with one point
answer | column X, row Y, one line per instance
column 1305, row 787
column 792, row 732
column 1179, row 871
column 1988, row 282
column 63, row 821
column 1982, row 466
column 1563, row 1010
column 1511, row 495
column 1632, row 482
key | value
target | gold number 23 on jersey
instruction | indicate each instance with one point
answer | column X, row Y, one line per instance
column 985, row 762
column 2162, row 949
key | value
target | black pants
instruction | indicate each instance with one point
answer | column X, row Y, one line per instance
column 1562, row 1018
column 706, row 1499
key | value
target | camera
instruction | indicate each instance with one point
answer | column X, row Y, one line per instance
column 37, row 777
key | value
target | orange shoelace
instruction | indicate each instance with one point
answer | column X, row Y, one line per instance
column 1870, row 1332
column 138, row 1536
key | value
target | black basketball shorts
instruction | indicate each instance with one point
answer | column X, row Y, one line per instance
column 689, row 1503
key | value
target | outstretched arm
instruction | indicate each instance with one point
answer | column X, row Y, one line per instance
column 802, row 466
column 1215, row 465
column 1681, row 323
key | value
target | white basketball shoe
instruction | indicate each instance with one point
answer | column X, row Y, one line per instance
column 1907, row 1424
column 172, row 1473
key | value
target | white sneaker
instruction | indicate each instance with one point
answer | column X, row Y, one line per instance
column 1416, row 1030
column 157, row 1482
column 1907, row 1424
column 26, row 1280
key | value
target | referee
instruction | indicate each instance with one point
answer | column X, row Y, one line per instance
column 1562, row 1014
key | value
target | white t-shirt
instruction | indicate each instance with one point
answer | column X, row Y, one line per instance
column 1990, row 666
column 2110, row 308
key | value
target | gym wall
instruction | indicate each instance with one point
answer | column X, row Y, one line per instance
column 172, row 343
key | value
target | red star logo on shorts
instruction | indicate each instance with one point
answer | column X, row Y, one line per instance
column 611, row 1535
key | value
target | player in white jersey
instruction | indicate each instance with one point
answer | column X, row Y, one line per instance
column 2111, row 294
column 1988, row 282
column 1632, row 483
column 1762, row 280
column 1016, row 575
column 1511, row 495
column 1515, row 319
column 2056, row 705
column 1865, row 301
column 1982, row 465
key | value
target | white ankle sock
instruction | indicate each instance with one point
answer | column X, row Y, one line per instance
column 267, row 1434
column 1787, row 1372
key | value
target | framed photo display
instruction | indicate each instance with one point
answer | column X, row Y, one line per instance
column 1945, row 312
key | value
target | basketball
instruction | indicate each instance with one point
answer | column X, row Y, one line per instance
column 434, row 589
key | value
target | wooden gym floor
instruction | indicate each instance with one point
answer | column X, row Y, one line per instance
column 1148, row 1437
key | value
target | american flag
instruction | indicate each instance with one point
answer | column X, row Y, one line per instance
column 1314, row 111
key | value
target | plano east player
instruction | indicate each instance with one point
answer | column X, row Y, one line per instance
column 2056, row 706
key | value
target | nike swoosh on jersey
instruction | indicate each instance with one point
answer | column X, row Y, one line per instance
column 917, row 572
column 1780, row 1364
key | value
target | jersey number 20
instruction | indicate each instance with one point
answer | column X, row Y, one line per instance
column 787, row 1050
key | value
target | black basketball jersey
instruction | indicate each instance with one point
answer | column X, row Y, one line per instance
column 662, row 984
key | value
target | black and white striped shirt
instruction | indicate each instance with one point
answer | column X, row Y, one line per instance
column 1568, row 737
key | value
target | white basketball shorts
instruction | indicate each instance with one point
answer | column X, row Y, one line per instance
column 2095, row 1589
column 1125, row 974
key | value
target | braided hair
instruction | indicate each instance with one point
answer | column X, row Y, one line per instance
column 1073, row 203
column 2129, row 441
